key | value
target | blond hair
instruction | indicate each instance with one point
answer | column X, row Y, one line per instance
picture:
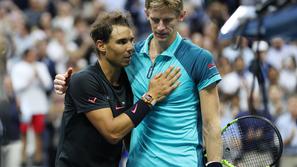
column 176, row 5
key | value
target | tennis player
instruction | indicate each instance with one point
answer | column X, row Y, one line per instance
column 172, row 135
column 99, row 108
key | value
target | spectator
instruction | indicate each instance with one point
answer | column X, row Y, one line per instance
column 278, row 52
column 286, row 123
column 11, row 141
column 30, row 81
column 288, row 73
column 276, row 103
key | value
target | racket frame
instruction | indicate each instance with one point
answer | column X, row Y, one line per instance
column 228, row 164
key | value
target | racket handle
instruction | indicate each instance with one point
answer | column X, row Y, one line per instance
column 227, row 163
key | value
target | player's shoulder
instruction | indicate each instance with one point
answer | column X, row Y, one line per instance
column 138, row 46
column 87, row 74
column 193, row 50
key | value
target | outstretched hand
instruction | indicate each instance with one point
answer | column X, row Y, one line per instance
column 164, row 83
column 61, row 81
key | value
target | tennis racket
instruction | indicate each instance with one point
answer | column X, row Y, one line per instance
column 251, row 141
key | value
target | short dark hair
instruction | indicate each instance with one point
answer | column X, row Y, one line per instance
column 102, row 27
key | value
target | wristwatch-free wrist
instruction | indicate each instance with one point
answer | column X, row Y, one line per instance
column 147, row 98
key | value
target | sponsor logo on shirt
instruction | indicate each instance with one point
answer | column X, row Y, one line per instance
column 92, row 100
column 119, row 107
column 211, row 65
column 134, row 109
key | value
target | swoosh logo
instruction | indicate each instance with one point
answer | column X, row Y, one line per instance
column 92, row 100
column 119, row 107
column 134, row 109
column 210, row 66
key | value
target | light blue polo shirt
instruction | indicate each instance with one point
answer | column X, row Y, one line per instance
column 171, row 134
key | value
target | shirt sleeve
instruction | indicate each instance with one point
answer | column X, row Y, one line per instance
column 87, row 92
column 206, row 70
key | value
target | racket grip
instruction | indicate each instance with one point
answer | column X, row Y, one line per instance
column 227, row 163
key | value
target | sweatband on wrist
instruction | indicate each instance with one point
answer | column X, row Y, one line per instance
column 138, row 111
column 214, row 164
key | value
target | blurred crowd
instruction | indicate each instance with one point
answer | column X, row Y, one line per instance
column 45, row 37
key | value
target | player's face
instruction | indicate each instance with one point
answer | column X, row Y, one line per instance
column 163, row 23
column 119, row 48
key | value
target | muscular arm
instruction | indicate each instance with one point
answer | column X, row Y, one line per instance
column 211, row 122
column 113, row 129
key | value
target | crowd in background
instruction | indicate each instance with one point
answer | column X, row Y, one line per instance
column 48, row 36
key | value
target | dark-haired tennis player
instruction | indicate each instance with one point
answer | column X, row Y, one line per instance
column 99, row 109
column 172, row 135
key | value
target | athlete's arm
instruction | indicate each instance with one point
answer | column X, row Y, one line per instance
column 211, row 122
column 115, row 128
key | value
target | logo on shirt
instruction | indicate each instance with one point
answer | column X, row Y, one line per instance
column 119, row 107
column 92, row 100
column 211, row 65
column 134, row 109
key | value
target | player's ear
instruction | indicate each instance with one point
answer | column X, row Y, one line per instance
column 100, row 45
column 182, row 15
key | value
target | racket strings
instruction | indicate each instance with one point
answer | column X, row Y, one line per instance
column 250, row 142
